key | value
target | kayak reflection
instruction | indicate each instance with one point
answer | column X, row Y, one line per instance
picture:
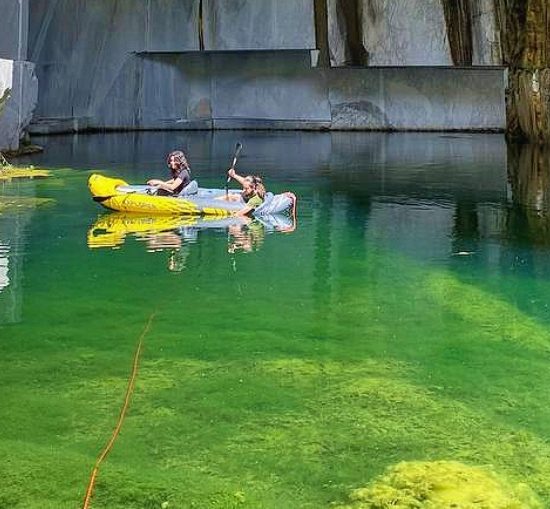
column 176, row 233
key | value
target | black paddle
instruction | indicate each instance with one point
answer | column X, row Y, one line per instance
column 238, row 148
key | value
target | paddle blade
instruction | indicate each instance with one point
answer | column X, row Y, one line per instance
column 238, row 148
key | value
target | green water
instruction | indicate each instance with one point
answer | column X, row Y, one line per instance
column 406, row 318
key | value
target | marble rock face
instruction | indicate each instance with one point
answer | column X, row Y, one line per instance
column 393, row 33
column 411, row 33
column 417, row 99
column 135, row 65
column 337, row 46
column 14, row 31
column 486, row 39
column 405, row 33
column 18, row 96
column 85, row 51
column 258, row 24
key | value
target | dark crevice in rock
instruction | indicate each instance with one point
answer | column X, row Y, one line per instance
column 458, row 20
column 321, row 32
column 350, row 14
column 201, row 26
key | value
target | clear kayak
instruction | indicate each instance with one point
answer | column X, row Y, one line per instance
column 116, row 194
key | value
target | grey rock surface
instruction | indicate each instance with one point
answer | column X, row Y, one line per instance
column 258, row 24
column 485, row 35
column 338, row 50
column 405, row 33
column 78, row 57
column 121, row 64
column 14, row 31
column 279, row 91
column 417, row 98
column 278, row 86
column 412, row 33
column 171, row 25
column 18, row 93
column 83, row 50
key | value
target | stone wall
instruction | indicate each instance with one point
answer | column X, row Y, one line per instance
column 421, row 98
column 82, row 49
column 258, row 24
column 18, row 84
column 18, row 96
column 121, row 64
column 14, row 31
column 280, row 90
column 410, row 33
column 485, row 33
column 393, row 33
column 405, row 33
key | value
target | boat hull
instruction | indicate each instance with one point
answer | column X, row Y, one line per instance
column 106, row 192
column 116, row 194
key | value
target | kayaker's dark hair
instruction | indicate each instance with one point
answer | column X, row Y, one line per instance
column 259, row 186
column 179, row 156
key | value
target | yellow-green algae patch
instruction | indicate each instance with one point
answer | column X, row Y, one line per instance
column 442, row 485
column 8, row 172
column 495, row 318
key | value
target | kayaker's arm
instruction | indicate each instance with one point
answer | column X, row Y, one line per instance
column 233, row 174
column 251, row 205
column 244, row 211
column 170, row 185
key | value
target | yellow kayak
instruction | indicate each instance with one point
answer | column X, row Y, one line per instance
column 116, row 194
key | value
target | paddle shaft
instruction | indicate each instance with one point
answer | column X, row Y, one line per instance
column 238, row 148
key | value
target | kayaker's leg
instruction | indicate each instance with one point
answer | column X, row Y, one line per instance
column 228, row 197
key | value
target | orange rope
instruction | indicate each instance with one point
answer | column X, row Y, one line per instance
column 116, row 431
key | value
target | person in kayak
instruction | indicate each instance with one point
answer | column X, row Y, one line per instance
column 180, row 173
column 252, row 195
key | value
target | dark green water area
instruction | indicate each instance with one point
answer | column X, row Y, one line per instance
column 406, row 318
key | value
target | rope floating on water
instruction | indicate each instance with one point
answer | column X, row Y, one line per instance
column 129, row 390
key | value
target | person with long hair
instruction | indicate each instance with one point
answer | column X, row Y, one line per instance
column 180, row 173
column 253, row 193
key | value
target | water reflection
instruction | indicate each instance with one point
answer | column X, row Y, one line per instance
column 4, row 265
column 110, row 230
column 245, row 237
column 17, row 206
column 13, row 239
column 465, row 232
column 177, row 233
column 529, row 178
column 430, row 196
